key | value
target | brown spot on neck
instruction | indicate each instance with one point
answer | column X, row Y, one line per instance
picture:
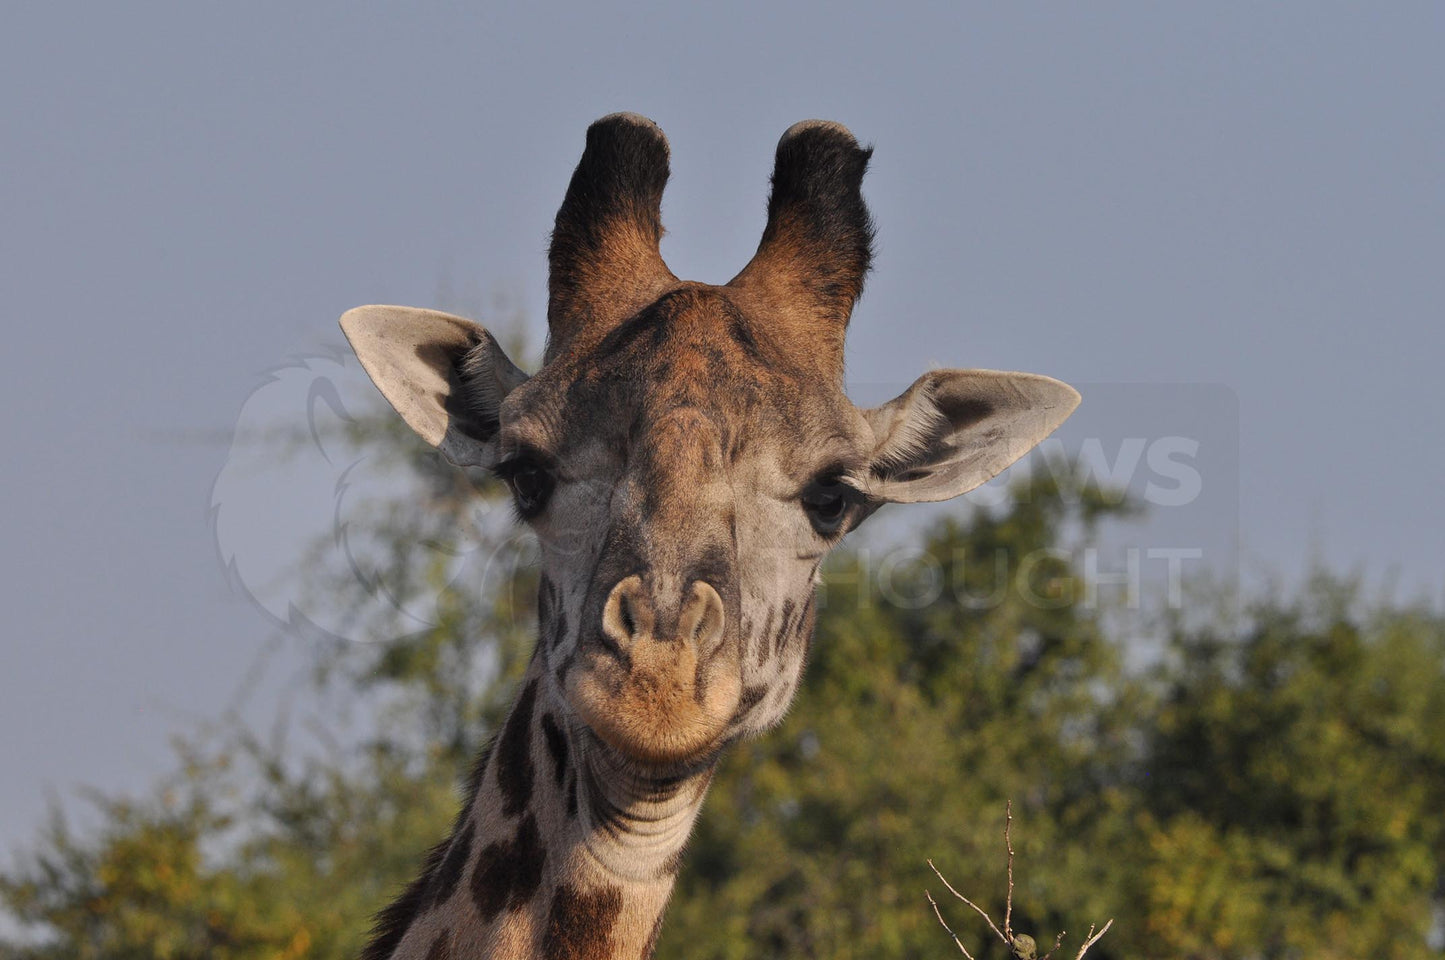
column 508, row 874
column 515, row 770
column 556, row 746
column 579, row 925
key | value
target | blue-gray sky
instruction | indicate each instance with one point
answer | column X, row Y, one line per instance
column 1225, row 194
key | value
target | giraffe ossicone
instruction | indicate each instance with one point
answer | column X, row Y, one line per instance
column 686, row 456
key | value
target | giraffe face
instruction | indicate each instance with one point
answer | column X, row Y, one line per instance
column 685, row 476
column 686, row 455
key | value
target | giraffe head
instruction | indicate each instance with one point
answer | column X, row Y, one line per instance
column 687, row 455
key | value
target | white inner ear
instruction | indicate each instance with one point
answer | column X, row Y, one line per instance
column 412, row 356
column 954, row 430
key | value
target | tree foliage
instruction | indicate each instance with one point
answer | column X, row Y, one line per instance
column 1270, row 787
column 1294, row 772
column 918, row 720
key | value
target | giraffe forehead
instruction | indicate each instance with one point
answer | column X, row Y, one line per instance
column 689, row 378
column 694, row 349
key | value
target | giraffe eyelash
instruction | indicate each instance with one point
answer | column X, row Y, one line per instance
column 531, row 480
column 523, row 457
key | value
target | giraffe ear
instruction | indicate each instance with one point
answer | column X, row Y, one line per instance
column 954, row 430
column 446, row 376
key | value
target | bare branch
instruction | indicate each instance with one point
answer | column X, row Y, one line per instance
column 1023, row 946
column 1008, row 904
column 946, row 926
column 975, row 906
column 1093, row 938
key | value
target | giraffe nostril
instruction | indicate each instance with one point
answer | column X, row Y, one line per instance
column 629, row 618
column 629, row 625
column 627, row 615
column 703, row 618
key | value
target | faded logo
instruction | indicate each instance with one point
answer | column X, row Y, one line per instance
column 334, row 519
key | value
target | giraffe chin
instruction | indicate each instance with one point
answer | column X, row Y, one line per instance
column 658, row 709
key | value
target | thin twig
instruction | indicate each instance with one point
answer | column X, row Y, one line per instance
column 1008, row 904
column 946, row 926
column 1093, row 938
column 1019, row 945
column 975, row 906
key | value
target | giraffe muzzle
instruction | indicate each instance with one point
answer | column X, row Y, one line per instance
column 657, row 685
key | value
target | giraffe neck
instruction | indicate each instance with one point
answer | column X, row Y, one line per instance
column 562, row 851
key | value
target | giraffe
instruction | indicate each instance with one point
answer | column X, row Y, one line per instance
column 686, row 457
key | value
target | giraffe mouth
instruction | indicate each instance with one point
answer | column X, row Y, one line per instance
column 655, row 703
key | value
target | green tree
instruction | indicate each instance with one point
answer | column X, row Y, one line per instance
column 1296, row 781
column 286, row 846
column 1271, row 788
column 232, row 858
column 979, row 677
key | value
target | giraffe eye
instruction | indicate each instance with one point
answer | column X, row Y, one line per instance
column 826, row 501
column 530, row 482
